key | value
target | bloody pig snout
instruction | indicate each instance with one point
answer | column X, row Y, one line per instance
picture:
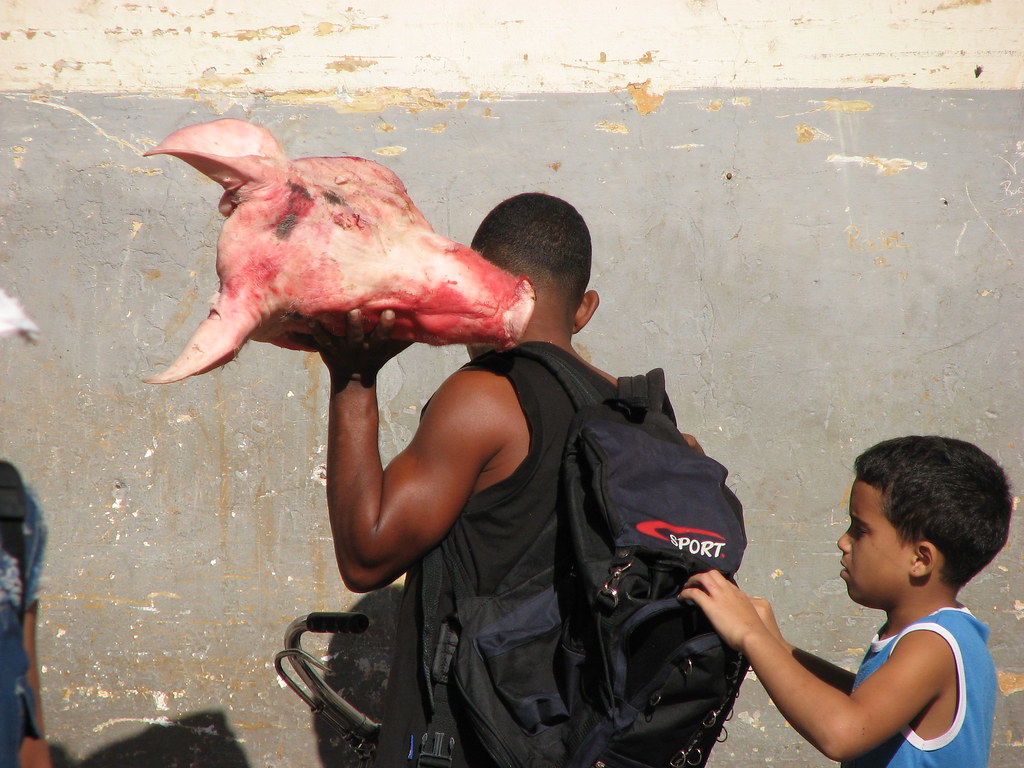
column 319, row 236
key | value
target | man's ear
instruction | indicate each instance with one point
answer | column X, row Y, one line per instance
column 585, row 311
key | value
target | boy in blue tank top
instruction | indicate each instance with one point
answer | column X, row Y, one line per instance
column 926, row 515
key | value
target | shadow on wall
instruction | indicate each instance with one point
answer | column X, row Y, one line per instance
column 359, row 672
column 204, row 738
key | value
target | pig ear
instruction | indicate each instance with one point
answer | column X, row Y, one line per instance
column 230, row 172
column 215, row 342
column 231, row 152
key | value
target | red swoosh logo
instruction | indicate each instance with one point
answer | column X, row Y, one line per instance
column 655, row 528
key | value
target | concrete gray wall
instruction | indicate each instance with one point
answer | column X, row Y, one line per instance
column 816, row 270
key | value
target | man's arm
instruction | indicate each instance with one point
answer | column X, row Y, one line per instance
column 35, row 753
column 840, row 725
column 384, row 520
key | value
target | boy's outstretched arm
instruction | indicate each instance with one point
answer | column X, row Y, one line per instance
column 825, row 671
column 840, row 725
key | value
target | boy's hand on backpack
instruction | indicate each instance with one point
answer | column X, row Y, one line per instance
column 730, row 610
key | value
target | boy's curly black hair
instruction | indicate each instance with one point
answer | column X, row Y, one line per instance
column 945, row 491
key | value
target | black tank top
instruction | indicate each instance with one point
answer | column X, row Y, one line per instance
column 495, row 528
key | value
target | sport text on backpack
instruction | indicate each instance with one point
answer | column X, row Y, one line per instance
column 593, row 662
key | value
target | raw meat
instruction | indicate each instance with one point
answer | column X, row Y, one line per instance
column 316, row 237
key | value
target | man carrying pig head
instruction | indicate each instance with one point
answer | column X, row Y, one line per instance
column 471, row 473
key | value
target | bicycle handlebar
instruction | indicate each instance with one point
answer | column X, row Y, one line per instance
column 358, row 730
column 335, row 622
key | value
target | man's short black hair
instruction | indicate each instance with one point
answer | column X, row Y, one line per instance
column 945, row 491
column 542, row 237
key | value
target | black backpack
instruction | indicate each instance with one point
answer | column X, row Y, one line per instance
column 592, row 661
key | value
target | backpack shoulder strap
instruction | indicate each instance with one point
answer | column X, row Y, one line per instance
column 581, row 391
column 13, row 512
column 438, row 644
column 645, row 392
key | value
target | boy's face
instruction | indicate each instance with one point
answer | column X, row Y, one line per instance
column 876, row 560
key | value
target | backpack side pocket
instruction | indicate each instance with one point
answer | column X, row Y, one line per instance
column 515, row 651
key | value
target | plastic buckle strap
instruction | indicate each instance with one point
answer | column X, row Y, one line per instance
column 436, row 750
column 437, row 747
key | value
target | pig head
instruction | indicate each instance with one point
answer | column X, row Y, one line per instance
column 313, row 238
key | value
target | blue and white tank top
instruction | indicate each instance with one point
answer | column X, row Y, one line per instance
column 966, row 743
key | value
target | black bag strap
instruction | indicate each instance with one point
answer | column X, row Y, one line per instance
column 431, row 575
column 437, row 745
column 13, row 511
column 581, row 391
column 439, row 642
column 438, row 565
column 645, row 392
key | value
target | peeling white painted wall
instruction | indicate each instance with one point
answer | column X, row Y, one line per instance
column 450, row 46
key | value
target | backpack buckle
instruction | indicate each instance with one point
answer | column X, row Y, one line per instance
column 610, row 590
column 436, row 750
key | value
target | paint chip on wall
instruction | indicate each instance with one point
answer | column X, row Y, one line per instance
column 808, row 133
column 843, row 105
column 1010, row 682
column 887, row 166
column 350, row 64
column 645, row 101
column 271, row 33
